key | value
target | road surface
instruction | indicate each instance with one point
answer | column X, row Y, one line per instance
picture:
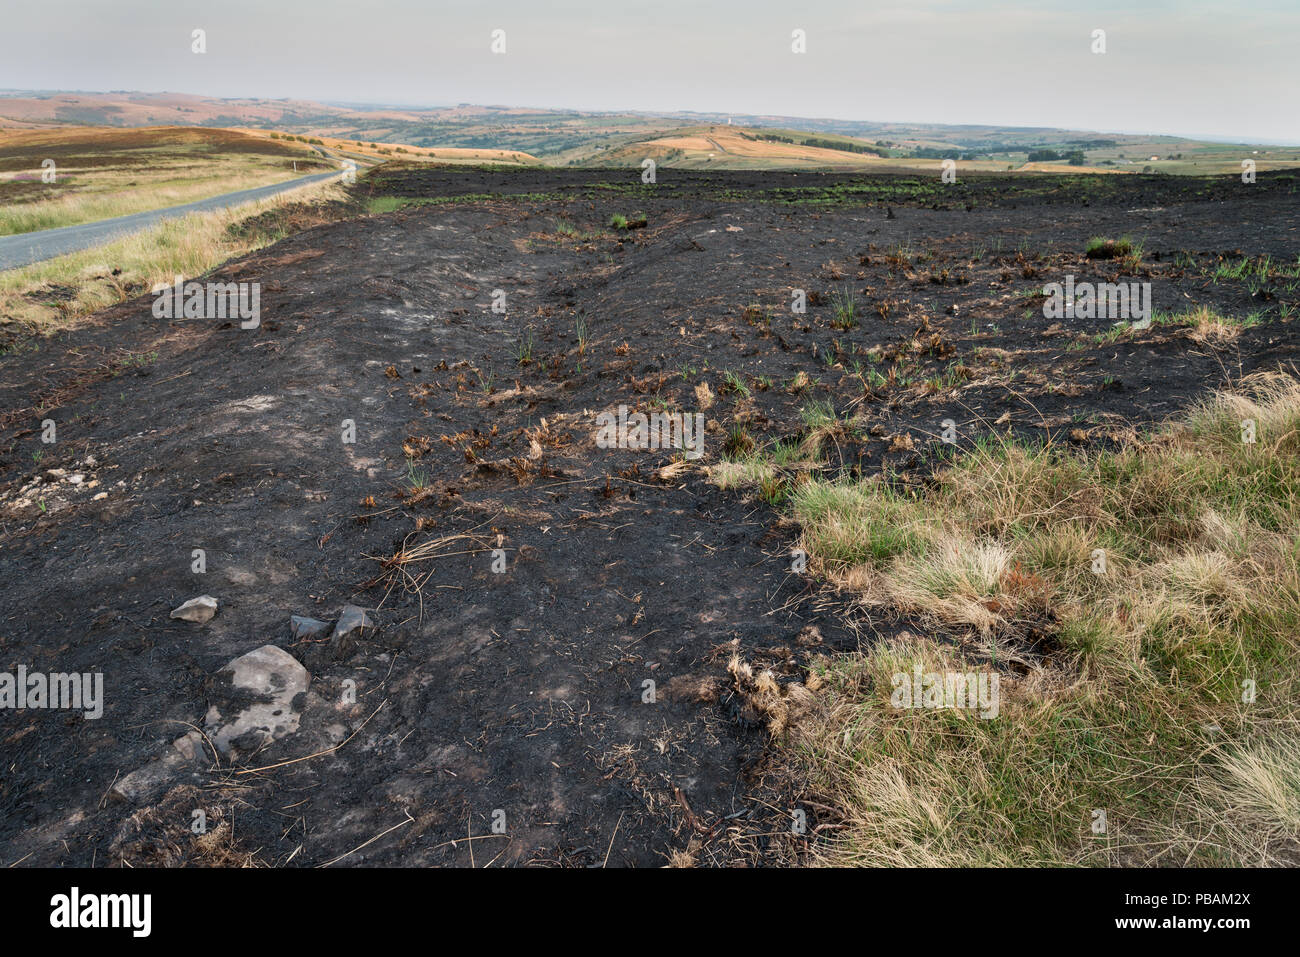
column 26, row 248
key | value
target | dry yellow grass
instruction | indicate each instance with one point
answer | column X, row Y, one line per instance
column 726, row 143
column 1142, row 609
column 54, row 293
column 381, row 151
column 104, row 173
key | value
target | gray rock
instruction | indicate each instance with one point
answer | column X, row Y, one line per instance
column 254, row 705
column 303, row 627
column 351, row 618
column 257, row 706
column 199, row 609
column 144, row 784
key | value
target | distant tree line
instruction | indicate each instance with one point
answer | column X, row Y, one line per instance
column 1073, row 157
column 814, row 141
column 300, row 139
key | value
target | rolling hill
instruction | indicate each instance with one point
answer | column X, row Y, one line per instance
column 577, row 138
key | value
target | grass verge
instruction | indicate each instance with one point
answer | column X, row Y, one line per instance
column 46, row 296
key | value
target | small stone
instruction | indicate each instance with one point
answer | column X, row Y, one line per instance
column 144, row 784
column 302, row 627
column 351, row 618
column 189, row 746
column 199, row 609
column 100, row 496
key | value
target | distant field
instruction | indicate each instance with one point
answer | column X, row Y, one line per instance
column 734, row 147
column 383, row 151
column 737, row 148
column 102, row 173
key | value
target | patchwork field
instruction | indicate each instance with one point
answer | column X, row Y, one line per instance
column 618, row 652
column 382, row 151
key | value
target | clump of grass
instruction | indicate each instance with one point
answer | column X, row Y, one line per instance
column 1201, row 323
column 733, row 384
column 1166, row 693
column 849, row 528
column 566, row 229
column 524, row 348
column 900, row 257
column 819, row 414
column 416, row 478
column 772, row 490
column 845, row 304
column 1206, row 325
column 742, row 472
column 582, row 332
column 1101, row 248
column 739, row 443
column 624, row 223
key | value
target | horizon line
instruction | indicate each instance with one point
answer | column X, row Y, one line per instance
column 1224, row 138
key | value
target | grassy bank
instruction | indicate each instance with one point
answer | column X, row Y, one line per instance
column 1142, row 611
column 45, row 296
column 105, row 202
column 103, row 173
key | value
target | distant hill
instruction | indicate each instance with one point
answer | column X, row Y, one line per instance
column 736, row 147
column 571, row 137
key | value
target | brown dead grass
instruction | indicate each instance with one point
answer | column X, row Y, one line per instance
column 1160, row 690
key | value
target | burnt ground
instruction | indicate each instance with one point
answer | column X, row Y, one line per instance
column 522, row 691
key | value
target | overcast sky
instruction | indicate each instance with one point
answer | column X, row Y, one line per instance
column 1226, row 68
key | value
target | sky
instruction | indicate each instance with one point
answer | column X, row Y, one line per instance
column 1209, row 68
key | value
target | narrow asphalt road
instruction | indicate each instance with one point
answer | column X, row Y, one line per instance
column 26, row 248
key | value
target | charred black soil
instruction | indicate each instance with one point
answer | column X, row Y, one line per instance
column 526, row 583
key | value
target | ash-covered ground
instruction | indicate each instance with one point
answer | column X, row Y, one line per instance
column 525, row 583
